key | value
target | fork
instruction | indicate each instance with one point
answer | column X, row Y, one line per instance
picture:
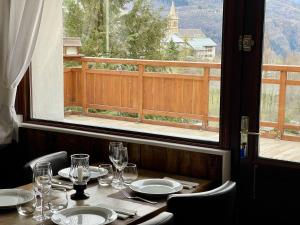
column 136, row 197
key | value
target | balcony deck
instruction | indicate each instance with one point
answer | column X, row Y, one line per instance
column 269, row 148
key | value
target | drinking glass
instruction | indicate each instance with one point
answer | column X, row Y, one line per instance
column 58, row 199
column 130, row 173
column 26, row 204
column 42, row 175
column 112, row 145
column 79, row 172
column 107, row 174
column 119, row 157
column 79, row 175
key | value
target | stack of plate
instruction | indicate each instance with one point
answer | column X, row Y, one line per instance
column 95, row 173
column 10, row 197
column 84, row 215
column 156, row 187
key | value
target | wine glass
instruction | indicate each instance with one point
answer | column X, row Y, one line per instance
column 119, row 158
column 42, row 175
column 112, row 145
column 79, row 175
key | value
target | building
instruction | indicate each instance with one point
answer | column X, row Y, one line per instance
column 173, row 20
column 202, row 47
column 72, row 46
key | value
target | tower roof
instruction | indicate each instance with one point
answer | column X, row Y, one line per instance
column 172, row 13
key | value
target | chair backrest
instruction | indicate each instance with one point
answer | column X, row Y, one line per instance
column 164, row 218
column 58, row 160
column 216, row 206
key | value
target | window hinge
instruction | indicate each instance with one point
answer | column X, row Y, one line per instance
column 246, row 43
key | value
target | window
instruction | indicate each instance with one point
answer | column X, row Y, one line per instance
column 280, row 94
column 121, row 66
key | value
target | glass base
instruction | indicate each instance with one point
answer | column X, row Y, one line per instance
column 118, row 186
column 41, row 218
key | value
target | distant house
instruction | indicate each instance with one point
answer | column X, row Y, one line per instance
column 202, row 47
column 72, row 46
column 173, row 37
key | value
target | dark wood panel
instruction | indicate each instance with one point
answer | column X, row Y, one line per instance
column 34, row 143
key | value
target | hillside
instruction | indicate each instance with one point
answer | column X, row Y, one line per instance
column 282, row 20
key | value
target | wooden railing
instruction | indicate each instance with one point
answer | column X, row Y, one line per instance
column 166, row 94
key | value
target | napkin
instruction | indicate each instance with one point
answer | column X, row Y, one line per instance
column 122, row 213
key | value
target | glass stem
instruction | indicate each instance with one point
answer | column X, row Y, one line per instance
column 120, row 178
column 42, row 205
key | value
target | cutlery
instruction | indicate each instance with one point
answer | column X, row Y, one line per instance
column 137, row 198
column 57, row 181
column 122, row 216
column 68, row 187
column 186, row 184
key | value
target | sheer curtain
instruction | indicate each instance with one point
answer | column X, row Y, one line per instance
column 19, row 25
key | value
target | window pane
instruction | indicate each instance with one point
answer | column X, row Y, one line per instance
column 280, row 96
column 147, row 66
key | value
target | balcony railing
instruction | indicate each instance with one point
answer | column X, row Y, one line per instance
column 146, row 87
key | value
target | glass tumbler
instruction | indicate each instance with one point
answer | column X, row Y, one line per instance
column 58, row 199
column 26, row 203
column 106, row 174
column 130, row 173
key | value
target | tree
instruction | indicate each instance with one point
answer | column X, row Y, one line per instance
column 135, row 34
column 172, row 52
column 86, row 19
column 140, row 32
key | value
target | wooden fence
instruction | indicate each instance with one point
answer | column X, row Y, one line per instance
column 176, row 95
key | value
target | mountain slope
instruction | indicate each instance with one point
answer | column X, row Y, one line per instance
column 282, row 23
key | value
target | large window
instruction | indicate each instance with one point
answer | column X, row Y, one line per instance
column 138, row 65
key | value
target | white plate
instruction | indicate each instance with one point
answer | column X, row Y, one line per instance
column 9, row 197
column 84, row 215
column 156, row 187
column 93, row 169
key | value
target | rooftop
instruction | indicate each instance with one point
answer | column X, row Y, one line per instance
column 72, row 42
column 200, row 43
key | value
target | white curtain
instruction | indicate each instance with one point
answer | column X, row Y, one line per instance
column 19, row 25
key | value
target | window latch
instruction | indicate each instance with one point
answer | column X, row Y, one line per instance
column 246, row 43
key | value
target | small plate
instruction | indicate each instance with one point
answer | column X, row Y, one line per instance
column 84, row 215
column 93, row 169
column 9, row 197
column 156, row 187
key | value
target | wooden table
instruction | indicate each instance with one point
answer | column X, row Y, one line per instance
column 100, row 195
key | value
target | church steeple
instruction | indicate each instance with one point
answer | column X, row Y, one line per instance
column 173, row 19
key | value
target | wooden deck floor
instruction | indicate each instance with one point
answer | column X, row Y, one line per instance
column 269, row 148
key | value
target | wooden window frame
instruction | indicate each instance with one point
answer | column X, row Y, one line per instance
column 230, row 92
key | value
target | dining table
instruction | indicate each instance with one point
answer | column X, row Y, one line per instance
column 113, row 198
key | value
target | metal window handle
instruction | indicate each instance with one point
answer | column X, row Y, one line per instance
column 250, row 133
column 244, row 136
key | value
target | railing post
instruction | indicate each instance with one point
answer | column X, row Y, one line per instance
column 205, row 97
column 282, row 97
column 84, row 93
column 140, row 92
